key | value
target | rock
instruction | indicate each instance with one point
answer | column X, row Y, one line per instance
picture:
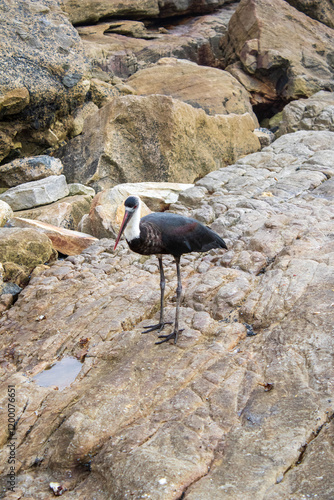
column 66, row 213
column 42, row 75
column 76, row 189
column 21, row 250
column 5, row 213
column 80, row 116
column 214, row 90
column 172, row 142
column 195, row 39
column 35, row 193
column 265, row 136
column 63, row 240
column 29, row 169
column 87, row 11
column 273, row 71
column 221, row 415
column 107, row 209
column 321, row 10
column 314, row 113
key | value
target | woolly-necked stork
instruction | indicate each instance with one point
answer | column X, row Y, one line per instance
column 165, row 233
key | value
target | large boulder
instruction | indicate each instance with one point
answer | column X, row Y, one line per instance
column 321, row 10
column 42, row 74
column 90, row 11
column 123, row 47
column 214, row 90
column 21, row 250
column 154, row 138
column 35, row 193
column 29, row 169
column 277, row 63
column 314, row 113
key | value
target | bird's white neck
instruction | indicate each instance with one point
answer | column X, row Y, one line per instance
column 132, row 230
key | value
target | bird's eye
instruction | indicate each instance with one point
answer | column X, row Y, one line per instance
column 135, row 207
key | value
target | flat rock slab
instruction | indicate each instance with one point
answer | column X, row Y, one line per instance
column 66, row 241
column 35, row 193
column 223, row 414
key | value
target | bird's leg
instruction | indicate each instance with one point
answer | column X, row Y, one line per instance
column 161, row 323
column 176, row 331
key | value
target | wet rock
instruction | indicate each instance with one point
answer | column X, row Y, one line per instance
column 158, row 146
column 21, row 250
column 42, row 75
column 66, row 213
column 29, row 169
column 5, row 213
column 35, row 193
column 314, row 113
column 273, row 71
column 63, row 240
column 211, row 89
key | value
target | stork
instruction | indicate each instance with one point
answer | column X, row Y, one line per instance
column 165, row 233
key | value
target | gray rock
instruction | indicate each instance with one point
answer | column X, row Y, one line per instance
column 76, row 188
column 314, row 113
column 29, row 169
column 35, row 193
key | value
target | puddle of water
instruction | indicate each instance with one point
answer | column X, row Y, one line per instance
column 61, row 374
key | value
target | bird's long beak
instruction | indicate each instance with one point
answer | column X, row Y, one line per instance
column 126, row 218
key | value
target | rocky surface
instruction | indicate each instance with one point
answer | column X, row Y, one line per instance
column 35, row 193
column 88, row 10
column 123, row 47
column 29, row 169
column 211, row 89
column 65, row 241
column 273, row 70
column 322, row 10
column 242, row 407
column 42, row 75
column 172, row 141
column 314, row 113
column 21, row 251
column 66, row 213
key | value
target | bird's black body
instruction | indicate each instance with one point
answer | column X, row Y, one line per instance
column 165, row 233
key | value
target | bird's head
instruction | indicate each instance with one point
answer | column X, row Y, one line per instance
column 131, row 205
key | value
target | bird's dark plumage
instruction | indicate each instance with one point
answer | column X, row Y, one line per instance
column 165, row 233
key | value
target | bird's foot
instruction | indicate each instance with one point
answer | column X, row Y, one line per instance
column 159, row 326
column 166, row 338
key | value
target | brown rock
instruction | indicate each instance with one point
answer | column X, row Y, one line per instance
column 271, row 69
column 195, row 39
column 21, row 250
column 321, row 10
column 42, row 75
column 29, row 169
column 63, row 240
column 65, row 213
column 172, row 142
column 214, row 90
column 88, row 10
